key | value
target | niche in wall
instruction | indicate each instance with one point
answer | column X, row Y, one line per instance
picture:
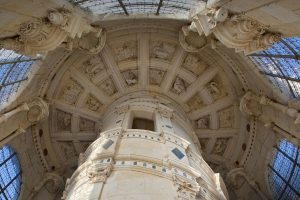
column 141, row 123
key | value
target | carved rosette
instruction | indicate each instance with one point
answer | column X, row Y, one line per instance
column 38, row 110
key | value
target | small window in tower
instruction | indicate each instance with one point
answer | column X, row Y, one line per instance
column 145, row 124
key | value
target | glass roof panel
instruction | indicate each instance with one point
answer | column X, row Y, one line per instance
column 136, row 6
column 284, row 172
column 281, row 65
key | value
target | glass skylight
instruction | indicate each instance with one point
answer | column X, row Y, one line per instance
column 284, row 172
column 128, row 7
column 281, row 65
column 10, row 174
column 14, row 69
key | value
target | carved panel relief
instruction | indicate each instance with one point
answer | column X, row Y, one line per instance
column 71, row 92
column 226, row 117
column 93, row 104
column 68, row 150
column 108, row 87
column 86, row 125
column 203, row 143
column 220, row 146
column 131, row 77
column 162, row 50
column 63, row 120
column 92, row 66
column 156, row 76
column 196, row 102
column 203, row 122
column 216, row 89
column 127, row 51
column 179, row 85
column 194, row 64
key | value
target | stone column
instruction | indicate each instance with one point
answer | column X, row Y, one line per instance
column 126, row 163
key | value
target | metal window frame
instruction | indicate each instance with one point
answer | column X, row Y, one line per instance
column 288, row 179
column 12, row 179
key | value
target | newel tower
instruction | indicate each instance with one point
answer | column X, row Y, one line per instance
column 146, row 150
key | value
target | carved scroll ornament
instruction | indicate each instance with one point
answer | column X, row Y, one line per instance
column 39, row 36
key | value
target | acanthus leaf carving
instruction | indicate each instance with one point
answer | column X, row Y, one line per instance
column 237, row 31
column 61, row 26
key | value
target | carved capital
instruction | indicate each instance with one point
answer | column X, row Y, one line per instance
column 185, row 190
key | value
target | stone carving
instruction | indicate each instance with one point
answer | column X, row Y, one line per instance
column 108, row 87
column 38, row 110
column 203, row 122
column 122, row 109
column 195, row 102
column 131, row 77
column 191, row 41
column 93, row 104
column 39, row 36
column 92, row 66
column 98, row 172
column 179, row 85
column 185, row 190
column 237, row 178
column 127, row 51
column 216, row 89
column 71, row 92
column 226, row 118
column 194, row 64
column 252, row 105
column 86, row 125
column 220, row 146
column 236, row 31
column 203, row 142
column 63, row 120
column 68, row 150
column 162, row 50
column 156, row 76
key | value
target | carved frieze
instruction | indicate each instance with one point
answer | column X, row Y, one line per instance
column 108, row 87
column 156, row 76
column 63, row 120
column 93, row 104
column 162, row 50
column 127, row 51
column 226, row 117
column 92, row 66
column 86, row 125
column 194, row 64
column 71, row 92
column 131, row 77
column 220, row 146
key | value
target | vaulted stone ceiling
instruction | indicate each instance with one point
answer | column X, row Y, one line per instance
column 141, row 58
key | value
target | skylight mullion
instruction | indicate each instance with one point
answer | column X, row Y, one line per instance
column 276, row 56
